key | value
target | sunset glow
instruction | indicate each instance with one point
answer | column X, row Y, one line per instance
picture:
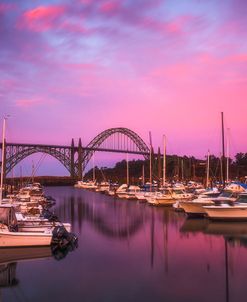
column 75, row 68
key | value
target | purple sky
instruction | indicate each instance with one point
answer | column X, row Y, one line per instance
column 75, row 68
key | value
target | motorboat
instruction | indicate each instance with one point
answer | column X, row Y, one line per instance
column 11, row 237
column 195, row 207
column 103, row 187
column 86, row 185
column 27, row 223
column 236, row 210
column 163, row 198
column 121, row 191
column 131, row 192
column 169, row 196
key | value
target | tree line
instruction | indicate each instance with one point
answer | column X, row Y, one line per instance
column 177, row 168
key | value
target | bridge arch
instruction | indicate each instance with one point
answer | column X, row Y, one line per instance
column 15, row 154
column 75, row 158
column 103, row 136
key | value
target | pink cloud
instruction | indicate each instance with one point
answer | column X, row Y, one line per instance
column 110, row 7
column 42, row 18
column 26, row 103
column 74, row 27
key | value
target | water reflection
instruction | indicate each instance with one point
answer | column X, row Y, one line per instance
column 234, row 235
column 9, row 259
column 129, row 251
column 233, row 229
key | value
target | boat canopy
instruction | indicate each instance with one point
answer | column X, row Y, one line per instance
column 237, row 186
column 7, row 216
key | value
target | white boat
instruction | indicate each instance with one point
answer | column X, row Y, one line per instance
column 37, row 224
column 142, row 195
column 234, row 211
column 86, row 185
column 195, row 207
column 131, row 192
column 163, row 198
column 121, row 191
column 169, row 197
column 103, row 187
column 11, row 238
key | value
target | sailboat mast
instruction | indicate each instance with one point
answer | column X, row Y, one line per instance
column 164, row 161
column 223, row 150
column 207, row 179
column 150, row 161
column 143, row 175
column 127, row 162
column 3, row 159
column 227, row 156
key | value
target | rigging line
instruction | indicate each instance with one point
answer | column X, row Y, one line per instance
column 43, row 155
column 37, row 165
column 40, row 162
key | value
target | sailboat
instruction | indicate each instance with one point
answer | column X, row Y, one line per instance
column 236, row 210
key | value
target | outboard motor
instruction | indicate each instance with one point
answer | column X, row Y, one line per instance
column 62, row 239
column 50, row 201
column 49, row 215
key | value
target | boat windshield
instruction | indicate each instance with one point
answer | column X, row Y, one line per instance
column 178, row 191
column 166, row 192
column 242, row 198
column 226, row 194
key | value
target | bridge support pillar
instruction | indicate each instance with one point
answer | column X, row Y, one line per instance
column 79, row 160
column 72, row 160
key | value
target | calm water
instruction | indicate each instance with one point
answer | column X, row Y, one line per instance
column 129, row 251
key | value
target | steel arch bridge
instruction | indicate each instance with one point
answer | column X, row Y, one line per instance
column 75, row 158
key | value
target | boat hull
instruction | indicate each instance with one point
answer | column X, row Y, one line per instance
column 18, row 239
column 161, row 202
column 194, row 208
column 226, row 213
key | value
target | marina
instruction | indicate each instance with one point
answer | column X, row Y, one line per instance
column 123, row 151
column 122, row 241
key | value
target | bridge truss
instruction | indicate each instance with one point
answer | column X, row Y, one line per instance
column 75, row 158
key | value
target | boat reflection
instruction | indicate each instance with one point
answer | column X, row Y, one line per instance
column 9, row 257
column 8, row 275
column 235, row 231
column 194, row 225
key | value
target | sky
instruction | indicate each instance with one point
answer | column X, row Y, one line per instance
column 74, row 68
